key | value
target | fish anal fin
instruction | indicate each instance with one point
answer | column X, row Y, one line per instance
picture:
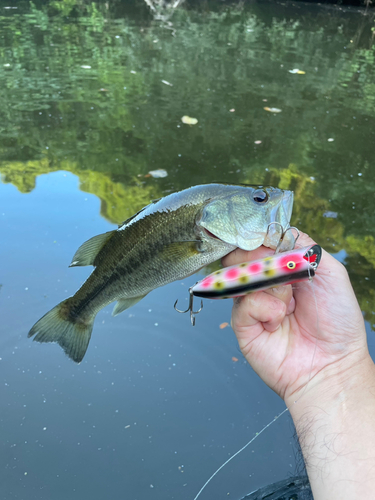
column 125, row 303
column 87, row 252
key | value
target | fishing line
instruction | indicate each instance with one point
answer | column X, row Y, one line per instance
column 239, row 451
column 285, row 410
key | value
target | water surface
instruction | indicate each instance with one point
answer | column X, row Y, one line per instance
column 92, row 97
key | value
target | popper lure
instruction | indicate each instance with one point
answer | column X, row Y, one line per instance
column 242, row 279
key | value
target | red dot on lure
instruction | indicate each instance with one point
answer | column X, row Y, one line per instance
column 311, row 258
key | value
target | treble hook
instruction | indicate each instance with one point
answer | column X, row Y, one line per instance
column 190, row 308
column 277, row 224
column 283, row 233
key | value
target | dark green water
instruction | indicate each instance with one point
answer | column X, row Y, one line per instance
column 92, row 96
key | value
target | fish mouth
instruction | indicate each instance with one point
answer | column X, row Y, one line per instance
column 211, row 235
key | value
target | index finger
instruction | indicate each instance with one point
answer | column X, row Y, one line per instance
column 238, row 255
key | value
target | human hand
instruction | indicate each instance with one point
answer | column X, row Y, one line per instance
column 305, row 334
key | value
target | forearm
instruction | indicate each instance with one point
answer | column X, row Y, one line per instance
column 335, row 423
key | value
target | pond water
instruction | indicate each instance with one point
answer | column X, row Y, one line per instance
column 92, row 96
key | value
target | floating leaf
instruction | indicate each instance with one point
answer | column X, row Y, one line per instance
column 188, row 120
column 223, row 325
column 157, row 174
column 272, row 110
column 297, row 71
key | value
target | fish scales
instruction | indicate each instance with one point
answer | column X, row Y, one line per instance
column 133, row 249
column 133, row 254
column 168, row 240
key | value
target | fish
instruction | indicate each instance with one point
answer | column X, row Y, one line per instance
column 247, row 277
column 168, row 240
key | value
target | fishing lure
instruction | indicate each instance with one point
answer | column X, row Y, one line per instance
column 242, row 279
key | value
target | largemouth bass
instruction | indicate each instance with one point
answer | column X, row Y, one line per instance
column 167, row 240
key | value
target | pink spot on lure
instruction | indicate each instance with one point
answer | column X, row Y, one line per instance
column 207, row 282
column 254, row 268
column 232, row 274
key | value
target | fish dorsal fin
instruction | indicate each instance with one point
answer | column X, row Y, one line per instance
column 152, row 202
column 87, row 252
column 130, row 218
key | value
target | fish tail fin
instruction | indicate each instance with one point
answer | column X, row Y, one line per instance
column 70, row 331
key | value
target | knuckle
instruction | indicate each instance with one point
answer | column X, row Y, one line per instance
column 278, row 310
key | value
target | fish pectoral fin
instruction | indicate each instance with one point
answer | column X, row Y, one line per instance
column 123, row 304
column 87, row 252
column 182, row 249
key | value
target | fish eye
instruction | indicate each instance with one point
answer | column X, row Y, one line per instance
column 291, row 265
column 260, row 196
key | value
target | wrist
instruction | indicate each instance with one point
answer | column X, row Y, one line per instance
column 334, row 420
column 345, row 380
